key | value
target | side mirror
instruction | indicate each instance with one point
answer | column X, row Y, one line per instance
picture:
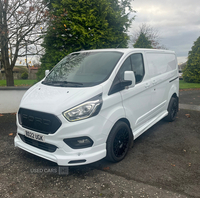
column 119, row 86
column 125, row 83
column 46, row 72
column 130, row 76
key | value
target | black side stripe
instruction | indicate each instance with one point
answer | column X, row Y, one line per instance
column 173, row 79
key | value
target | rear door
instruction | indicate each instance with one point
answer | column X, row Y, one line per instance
column 161, row 67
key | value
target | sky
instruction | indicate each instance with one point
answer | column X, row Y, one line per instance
column 177, row 22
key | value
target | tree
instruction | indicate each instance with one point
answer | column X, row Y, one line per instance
column 191, row 73
column 84, row 24
column 147, row 33
column 21, row 25
column 142, row 42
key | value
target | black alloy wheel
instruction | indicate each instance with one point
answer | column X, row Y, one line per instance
column 172, row 110
column 118, row 142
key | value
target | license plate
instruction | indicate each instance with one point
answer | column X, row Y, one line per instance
column 34, row 136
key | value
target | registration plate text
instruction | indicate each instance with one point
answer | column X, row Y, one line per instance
column 34, row 136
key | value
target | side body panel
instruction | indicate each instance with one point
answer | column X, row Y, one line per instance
column 164, row 75
column 147, row 102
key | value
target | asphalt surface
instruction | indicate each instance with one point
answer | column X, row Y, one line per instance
column 190, row 97
column 163, row 163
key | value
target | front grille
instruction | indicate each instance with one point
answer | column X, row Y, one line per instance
column 38, row 121
column 41, row 145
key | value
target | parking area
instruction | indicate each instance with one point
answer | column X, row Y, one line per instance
column 163, row 163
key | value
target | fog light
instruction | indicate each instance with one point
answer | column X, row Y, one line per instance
column 79, row 143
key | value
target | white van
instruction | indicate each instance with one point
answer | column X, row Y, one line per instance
column 94, row 103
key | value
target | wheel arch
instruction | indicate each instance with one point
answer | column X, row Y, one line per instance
column 128, row 123
column 173, row 93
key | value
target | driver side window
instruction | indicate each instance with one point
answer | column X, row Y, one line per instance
column 133, row 63
column 125, row 67
column 137, row 66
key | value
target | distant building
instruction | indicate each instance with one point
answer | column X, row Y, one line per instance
column 18, row 70
column 182, row 66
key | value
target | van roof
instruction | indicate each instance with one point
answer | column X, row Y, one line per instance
column 127, row 50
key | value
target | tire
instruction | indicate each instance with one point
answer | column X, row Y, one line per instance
column 118, row 142
column 172, row 110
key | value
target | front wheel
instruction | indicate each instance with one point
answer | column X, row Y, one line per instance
column 172, row 110
column 118, row 142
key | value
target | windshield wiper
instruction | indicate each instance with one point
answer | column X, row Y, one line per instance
column 60, row 83
column 69, row 82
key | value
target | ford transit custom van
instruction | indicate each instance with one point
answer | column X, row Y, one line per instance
column 94, row 103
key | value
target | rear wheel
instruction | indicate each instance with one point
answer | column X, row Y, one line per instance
column 118, row 142
column 172, row 110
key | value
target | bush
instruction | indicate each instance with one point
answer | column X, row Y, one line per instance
column 191, row 72
column 24, row 75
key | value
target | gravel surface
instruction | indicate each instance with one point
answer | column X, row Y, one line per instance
column 163, row 163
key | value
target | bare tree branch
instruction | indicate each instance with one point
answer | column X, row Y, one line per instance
column 22, row 22
column 151, row 33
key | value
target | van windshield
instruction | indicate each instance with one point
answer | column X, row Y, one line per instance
column 83, row 69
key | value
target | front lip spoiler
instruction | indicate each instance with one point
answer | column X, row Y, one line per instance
column 61, row 157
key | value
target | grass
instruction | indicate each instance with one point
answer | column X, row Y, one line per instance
column 185, row 85
column 19, row 82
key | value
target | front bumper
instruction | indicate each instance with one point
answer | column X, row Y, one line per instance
column 63, row 158
column 65, row 155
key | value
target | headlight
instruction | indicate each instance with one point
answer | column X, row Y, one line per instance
column 85, row 110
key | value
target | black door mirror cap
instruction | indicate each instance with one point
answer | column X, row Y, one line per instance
column 125, row 83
